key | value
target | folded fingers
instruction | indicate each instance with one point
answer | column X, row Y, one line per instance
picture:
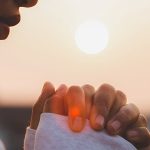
column 138, row 134
column 127, row 115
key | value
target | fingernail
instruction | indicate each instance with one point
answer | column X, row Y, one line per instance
column 132, row 134
column 77, row 124
column 99, row 121
column 116, row 126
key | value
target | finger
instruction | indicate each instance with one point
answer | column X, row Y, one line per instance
column 89, row 93
column 26, row 3
column 76, row 108
column 141, row 122
column 126, row 116
column 4, row 31
column 134, row 131
column 47, row 91
column 140, row 137
column 55, row 104
column 102, row 103
column 120, row 100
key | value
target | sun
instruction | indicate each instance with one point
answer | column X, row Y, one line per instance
column 92, row 37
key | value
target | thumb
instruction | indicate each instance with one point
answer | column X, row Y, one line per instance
column 47, row 91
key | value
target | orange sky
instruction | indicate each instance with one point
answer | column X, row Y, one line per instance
column 42, row 47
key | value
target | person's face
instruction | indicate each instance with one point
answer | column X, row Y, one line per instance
column 9, row 14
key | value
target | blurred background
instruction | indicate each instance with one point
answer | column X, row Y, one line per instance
column 43, row 48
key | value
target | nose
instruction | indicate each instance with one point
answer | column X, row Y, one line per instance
column 11, row 20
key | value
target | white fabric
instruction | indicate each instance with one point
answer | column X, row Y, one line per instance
column 29, row 139
column 2, row 146
column 53, row 133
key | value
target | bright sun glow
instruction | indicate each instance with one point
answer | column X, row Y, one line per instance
column 92, row 37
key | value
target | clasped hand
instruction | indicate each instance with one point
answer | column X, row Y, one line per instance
column 106, row 108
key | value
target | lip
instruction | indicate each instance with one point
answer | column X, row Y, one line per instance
column 26, row 3
column 10, row 21
column 4, row 31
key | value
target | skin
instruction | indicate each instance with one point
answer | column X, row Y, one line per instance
column 76, row 108
column 105, row 108
column 9, row 14
column 117, row 117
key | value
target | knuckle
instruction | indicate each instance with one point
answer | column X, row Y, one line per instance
column 48, row 83
column 75, row 89
column 121, row 96
column 88, row 88
column 129, row 113
column 75, row 97
column 76, row 93
column 62, row 87
column 106, row 91
column 105, row 96
column 107, row 87
column 143, row 119
column 132, row 107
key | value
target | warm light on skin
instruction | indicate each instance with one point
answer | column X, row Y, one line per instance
column 92, row 37
column 74, row 112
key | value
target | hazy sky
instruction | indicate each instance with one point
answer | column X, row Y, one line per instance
column 42, row 47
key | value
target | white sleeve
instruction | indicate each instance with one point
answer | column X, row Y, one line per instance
column 29, row 139
column 2, row 147
column 53, row 133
